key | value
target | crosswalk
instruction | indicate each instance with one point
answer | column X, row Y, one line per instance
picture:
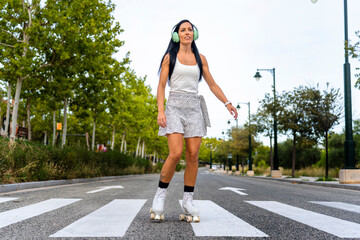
column 114, row 218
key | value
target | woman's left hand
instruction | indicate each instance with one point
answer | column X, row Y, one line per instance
column 232, row 110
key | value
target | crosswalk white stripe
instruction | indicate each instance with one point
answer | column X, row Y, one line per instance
column 6, row 199
column 111, row 220
column 20, row 214
column 340, row 205
column 216, row 221
column 335, row 226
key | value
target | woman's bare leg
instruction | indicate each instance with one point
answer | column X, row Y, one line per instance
column 175, row 142
column 192, row 154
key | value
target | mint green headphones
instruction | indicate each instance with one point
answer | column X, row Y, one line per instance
column 175, row 35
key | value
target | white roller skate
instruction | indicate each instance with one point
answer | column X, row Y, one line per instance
column 191, row 212
column 156, row 212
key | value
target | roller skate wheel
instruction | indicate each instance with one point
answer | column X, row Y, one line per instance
column 196, row 219
column 152, row 216
column 182, row 217
column 189, row 219
column 162, row 217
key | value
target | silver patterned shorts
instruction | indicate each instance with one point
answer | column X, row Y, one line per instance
column 186, row 114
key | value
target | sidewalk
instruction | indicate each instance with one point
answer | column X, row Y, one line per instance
column 303, row 180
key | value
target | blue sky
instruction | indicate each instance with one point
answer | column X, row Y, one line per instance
column 302, row 40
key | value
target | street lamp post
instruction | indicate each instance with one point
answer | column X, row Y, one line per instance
column 250, row 159
column 275, row 172
column 349, row 174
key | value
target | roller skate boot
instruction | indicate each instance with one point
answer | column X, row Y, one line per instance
column 156, row 212
column 191, row 213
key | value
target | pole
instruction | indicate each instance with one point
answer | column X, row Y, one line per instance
column 276, row 156
column 349, row 145
column 250, row 160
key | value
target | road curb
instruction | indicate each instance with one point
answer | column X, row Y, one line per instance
column 322, row 184
column 29, row 185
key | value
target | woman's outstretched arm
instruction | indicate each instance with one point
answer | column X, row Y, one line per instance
column 215, row 88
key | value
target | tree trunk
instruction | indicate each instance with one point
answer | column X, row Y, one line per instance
column 143, row 150
column 327, row 156
column 125, row 147
column 54, row 128
column 271, row 155
column 93, row 135
column 137, row 148
column 113, row 139
column 87, row 140
column 28, row 119
column 65, row 124
column 7, row 121
column 293, row 156
column 15, row 110
column 45, row 137
column 122, row 143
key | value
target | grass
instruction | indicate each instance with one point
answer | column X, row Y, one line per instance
column 305, row 172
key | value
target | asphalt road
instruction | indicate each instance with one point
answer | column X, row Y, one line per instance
column 248, row 208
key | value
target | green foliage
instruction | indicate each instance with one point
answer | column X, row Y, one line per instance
column 262, row 158
column 307, row 154
column 23, row 161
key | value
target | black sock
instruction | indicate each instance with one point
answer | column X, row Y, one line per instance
column 188, row 189
column 163, row 185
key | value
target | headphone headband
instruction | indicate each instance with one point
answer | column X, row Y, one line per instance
column 175, row 36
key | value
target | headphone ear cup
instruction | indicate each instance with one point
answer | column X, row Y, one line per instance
column 196, row 34
column 175, row 37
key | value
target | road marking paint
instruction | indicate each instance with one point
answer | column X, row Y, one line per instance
column 105, row 188
column 111, row 220
column 216, row 221
column 20, row 214
column 6, row 199
column 338, row 227
column 235, row 190
column 340, row 205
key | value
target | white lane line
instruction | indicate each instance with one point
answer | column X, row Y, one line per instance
column 105, row 188
column 111, row 220
column 334, row 226
column 6, row 199
column 215, row 221
column 20, row 214
column 235, row 190
column 340, row 205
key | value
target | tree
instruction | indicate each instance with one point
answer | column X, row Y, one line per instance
column 324, row 112
column 294, row 119
column 264, row 121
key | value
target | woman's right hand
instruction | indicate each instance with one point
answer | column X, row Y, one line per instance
column 162, row 119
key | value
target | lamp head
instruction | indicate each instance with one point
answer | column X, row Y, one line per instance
column 229, row 122
column 238, row 107
column 257, row 76
column 314, row 1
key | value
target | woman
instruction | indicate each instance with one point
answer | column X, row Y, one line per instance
column 185, row 116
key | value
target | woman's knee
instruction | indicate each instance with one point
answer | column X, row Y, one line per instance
column 175, row 155
column 192, row 157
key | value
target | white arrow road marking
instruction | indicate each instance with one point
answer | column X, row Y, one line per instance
column 216, row 221
column 104, row 188
column 20, row 214
column 341, row 205
column 335, row 226
column 111, row 220
column 6, row 199
column 235, row 190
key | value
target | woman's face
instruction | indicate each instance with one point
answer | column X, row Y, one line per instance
column 186, row 33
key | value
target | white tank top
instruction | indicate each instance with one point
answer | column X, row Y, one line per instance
column 185, row 78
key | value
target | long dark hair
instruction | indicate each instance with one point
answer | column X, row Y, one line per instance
column 173, row 49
